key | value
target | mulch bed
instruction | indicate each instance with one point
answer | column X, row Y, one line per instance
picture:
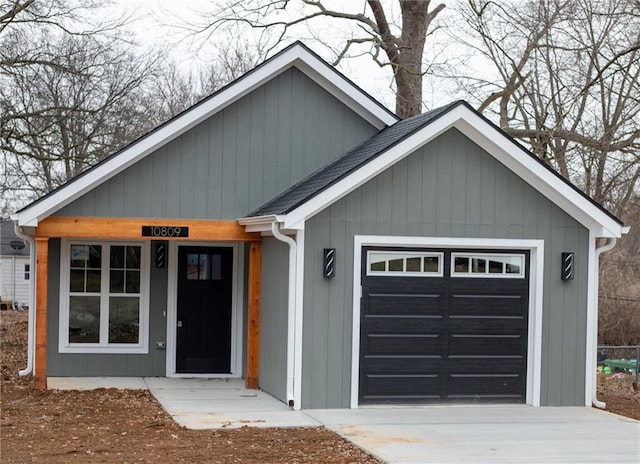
column 129, row 426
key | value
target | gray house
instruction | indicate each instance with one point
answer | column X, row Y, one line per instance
column 289, row 230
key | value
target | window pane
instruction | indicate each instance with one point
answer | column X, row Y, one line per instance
column 378, row 266
column 124, row 319
column 93, row 281
column 116, row 281
column 79, row 256
column 193, row 264
column 461, row 264
column 205, row 267
column 133, row 282
column 76, row 280
column 495, row 267
column 396, row 265
column 431, row 264
column 116, row 257
column 216, row 267
column 513, row 269
column 133, row 257
column 479, row 265
column 414, row 264
column 84, row 319
column 95, row 256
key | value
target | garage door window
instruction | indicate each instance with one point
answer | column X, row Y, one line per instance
column 404, row 264
column 487, row 265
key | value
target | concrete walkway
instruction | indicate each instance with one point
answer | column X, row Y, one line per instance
column 436, row 434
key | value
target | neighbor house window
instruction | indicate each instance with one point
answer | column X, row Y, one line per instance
column 27, row 271
column 487, row 265
column 103, row 305
column 400, row 263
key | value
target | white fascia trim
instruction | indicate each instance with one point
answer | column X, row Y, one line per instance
column 297, row 56
column 491, row 140
column 259, row 223
column 536, row 281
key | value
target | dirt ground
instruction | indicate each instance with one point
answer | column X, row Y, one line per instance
column 129, row 426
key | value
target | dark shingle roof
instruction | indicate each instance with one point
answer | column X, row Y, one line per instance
column 347, row 163
column 7, row 236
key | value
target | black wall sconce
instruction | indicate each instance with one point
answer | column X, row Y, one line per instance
column 160, row 254
column 329, row 263
column 567, row 266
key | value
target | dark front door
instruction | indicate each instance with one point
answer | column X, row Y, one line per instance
column 204, row 310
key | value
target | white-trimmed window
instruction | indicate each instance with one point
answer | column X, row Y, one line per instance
column 103, row 297
column 27, row 271
column 403, row 263
column 487, row 265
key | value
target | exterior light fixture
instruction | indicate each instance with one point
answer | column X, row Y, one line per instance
column 329, row 263
column 567, row 266
column 160, row 254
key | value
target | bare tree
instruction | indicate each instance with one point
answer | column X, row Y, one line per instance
column 59, row 120
column 372, row 29
column 563, row 76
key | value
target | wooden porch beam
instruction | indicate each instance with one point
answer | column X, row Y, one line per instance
column 253, row 325
column 131, row 229
column 42, row 261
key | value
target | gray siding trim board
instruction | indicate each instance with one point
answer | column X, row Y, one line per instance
column 448, row 188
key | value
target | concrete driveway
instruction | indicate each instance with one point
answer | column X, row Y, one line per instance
column 488, row 434
column 434, row 434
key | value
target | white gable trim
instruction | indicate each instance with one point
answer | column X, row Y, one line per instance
column 296, row 56
column 491, row 139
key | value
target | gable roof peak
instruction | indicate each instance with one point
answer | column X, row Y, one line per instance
column 295, row 55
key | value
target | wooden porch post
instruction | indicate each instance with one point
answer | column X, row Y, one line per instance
column 253, row 326
column 40, row 368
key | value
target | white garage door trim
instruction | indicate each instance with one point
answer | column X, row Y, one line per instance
column 534, row 343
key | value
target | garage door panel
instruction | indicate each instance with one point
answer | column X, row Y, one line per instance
column 402, row 344
column 403, row 304
column 484, row 305
column 480, row 345
column 500, row 384
column 389, row 387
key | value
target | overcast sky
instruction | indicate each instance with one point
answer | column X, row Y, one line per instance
column 154, row 19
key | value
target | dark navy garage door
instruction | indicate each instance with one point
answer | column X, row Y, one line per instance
column 443, row 326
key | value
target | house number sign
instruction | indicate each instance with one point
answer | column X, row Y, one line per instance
column 165, row 231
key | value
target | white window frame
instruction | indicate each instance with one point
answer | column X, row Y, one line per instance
column 487, row 274
column 387, row 273
column 142, row 347
column 27, row 272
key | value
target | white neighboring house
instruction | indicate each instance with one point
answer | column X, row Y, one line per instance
column 15, row 271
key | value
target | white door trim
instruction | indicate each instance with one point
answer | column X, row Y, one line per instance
column 237, row 300
column 536, row 273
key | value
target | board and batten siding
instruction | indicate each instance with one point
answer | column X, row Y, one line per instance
column 236, row 160
column 448, row 188
column 273, row 317
column 152, row 364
